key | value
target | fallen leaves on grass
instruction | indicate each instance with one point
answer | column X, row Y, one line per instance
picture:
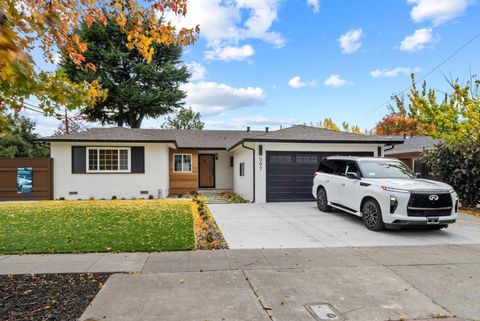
column 96, row 226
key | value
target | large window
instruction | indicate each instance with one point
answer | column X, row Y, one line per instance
column 182, row 163
column 108, row 159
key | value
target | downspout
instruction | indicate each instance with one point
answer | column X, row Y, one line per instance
column 253, row 166
column 391, row 147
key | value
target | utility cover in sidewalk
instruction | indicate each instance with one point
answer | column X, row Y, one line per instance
column 323, row 311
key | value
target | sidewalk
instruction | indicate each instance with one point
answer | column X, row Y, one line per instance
column 363, row 284
column 225, row 260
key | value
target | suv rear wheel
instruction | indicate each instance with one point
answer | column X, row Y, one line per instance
column 322, row 200
column 372, row 215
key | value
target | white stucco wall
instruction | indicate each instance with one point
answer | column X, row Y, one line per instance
column 243, row 185
column 154, row 180
column 223, row 171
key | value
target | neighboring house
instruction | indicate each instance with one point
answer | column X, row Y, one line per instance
column 411, row 151
column 261, row 166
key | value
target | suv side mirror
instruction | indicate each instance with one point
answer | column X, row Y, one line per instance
column 418, row 175
column 352, row 175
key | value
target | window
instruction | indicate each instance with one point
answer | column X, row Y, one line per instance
column 182, row 163
column 280, row 159
column 332, row 166
column 108, row 159
column 231, row 161
column 306, row 159
column 242, row 169
column 352, row 168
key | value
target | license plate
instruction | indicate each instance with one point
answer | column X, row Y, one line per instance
column 433, row 220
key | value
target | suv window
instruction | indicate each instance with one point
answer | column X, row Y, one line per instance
column 352, row 167
column 332, row 166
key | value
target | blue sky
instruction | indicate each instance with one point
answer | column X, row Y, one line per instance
column 270, row 62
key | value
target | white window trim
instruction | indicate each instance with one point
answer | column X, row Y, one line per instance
column 129, row 161
column 182, row 154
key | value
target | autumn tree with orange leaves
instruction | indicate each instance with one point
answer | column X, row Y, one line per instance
column 399, row 121
column 47, row 25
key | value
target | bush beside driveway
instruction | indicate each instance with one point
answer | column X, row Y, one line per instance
column 96, row 226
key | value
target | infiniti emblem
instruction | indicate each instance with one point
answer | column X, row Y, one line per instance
column 433, row 197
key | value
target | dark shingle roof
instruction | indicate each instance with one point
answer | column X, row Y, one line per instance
column 308, row 134
column 220, row 139
column 414, row 144
column 183, row 138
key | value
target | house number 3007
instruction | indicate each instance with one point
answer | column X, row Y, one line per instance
column 260, row 163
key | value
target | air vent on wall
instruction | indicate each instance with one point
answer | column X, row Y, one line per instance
column 72, row 193
column 144, row 192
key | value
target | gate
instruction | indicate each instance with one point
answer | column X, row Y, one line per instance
column 41, row 170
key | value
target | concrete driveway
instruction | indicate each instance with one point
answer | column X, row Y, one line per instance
column 302, row 225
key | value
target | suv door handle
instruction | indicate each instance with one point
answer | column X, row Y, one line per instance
column 327, row 180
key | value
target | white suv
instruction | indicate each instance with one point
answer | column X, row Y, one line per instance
column 384, row 192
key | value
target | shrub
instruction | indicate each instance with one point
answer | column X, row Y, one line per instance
column 150, row 197
column 114, row 197
column 459, row 166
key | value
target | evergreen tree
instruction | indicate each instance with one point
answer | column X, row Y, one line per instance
column 186, row 118
column 18, row 138
column 136, row 89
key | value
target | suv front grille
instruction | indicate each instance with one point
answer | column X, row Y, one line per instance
column 429, row 204
column 428, row 213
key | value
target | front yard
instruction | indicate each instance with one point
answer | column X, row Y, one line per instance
column 96, row 226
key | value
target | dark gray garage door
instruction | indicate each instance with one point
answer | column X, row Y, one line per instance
column 290, row 174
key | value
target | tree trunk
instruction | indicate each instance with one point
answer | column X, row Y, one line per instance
column 120, row 117
column 134, row 120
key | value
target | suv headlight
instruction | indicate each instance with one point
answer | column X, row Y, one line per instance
column 393, row 204
column 397, row 190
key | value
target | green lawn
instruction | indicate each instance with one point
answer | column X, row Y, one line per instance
column 96, row 226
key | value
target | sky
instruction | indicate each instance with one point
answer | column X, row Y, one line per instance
column 277, row 63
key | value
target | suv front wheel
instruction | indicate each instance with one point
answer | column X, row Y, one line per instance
column 322, row 200
column 372, row 215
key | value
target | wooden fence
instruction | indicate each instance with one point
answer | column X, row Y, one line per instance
column 42, row 178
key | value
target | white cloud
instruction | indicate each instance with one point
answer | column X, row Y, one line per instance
column 197, row 70
column 350, row 41
column 253, row 121
column 315, row 5
column 418, row 41
column 392, row 73
column 225, row 23
column 335, row 81
column 438, row 11
column 210, row 98
column 296, row 82
column 230, row 53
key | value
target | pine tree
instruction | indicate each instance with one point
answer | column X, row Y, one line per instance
column 136, row 89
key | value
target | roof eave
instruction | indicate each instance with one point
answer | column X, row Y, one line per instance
column 306, row 141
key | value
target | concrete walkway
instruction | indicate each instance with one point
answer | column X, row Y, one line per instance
column 362, row 284
column 302, row 225
column 72, row 263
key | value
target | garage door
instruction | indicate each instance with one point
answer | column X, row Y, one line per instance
column 290, row 174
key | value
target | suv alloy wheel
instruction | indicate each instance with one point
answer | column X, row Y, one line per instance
column 322, row 201
column 372, row 215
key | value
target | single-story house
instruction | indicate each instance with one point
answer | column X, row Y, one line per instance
column 261, row 166
column 411, row 151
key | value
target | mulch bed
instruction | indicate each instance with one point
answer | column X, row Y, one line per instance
column 47, row 296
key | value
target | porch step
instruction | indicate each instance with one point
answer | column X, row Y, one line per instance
column 214, row 198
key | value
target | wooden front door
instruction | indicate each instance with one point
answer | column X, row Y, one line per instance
column 206, row 171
